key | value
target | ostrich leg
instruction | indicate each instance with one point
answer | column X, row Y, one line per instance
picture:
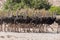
column 42, row 28
column 45, row 28
column 39, row 28
column 3, row 27
column 52, row 28
column 0, row 27
column 58, row 29
column 49, row 27
column 6, row 27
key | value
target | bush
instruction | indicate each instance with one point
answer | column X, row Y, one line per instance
column 55, row 9
column 19, row 4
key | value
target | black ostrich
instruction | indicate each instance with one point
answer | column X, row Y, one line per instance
column 16, row 20
column 8, row 19
column 49, row 21
column 58, row 22
column 35, row 20
column 28, row 20
column 11, row 19
column 5, row 20
column 19, row 19
column 46, row 21
column 1, row 22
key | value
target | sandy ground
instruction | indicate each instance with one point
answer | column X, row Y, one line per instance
column 29, row 36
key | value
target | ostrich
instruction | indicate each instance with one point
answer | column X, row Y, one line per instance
column 58, row 22
column 49, row 21
column 1, row 22
column 12, row 19
column 7, row 21
column 37, row 22
column 28, row 19
column 19, row 19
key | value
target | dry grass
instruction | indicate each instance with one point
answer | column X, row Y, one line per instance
column 28, row 12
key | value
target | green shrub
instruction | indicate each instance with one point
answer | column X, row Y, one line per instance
column 19, row 4
column 55, row 9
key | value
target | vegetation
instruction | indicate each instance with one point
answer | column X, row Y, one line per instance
column 55, row 9
column 19, row 4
